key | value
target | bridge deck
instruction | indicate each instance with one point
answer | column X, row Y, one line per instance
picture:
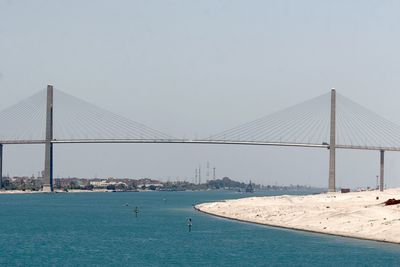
column 188, row 141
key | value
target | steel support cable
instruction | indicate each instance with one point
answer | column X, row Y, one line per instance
column 341, row 112
column 382, row 132
column 22, row 114
column 351, row 132
column 118, row 121
column 14, row 111
column 388, row 129
column 292, row 114
column 310, row 136
column 84, row 122
column 292, row 109
column 36, row 115
column 278, row 128
column 294, row 130
column 286, row 130
column 342, row 128
column 319, row 128
column 372, row 138
column 133, row 130
column 149, row 132
column 240, row 129
column 245, row 132
column 355, row 130
column 301, row 111
column 130, row 129
column 309, row 128
column 324, row 133
column 98, row 115
column 353, row 114
column 258, row 131
column 139, row 129
column 244, row 126
column 62, row 127
column 6, row 123
column 287, row 125
column 356, row 125
column 378, row 122
column 319, row 118
column 130, row 125
column 77, row 124
column 283, row 127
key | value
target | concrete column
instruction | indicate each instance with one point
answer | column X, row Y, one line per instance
column 332, row 145
column 48, row 163
column 382, row 173
column 1, row 166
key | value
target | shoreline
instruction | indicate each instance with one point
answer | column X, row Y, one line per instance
column 20, row 192
column 293, row 229
column 353, row 221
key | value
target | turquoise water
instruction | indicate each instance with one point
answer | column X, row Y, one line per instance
column 98, row 229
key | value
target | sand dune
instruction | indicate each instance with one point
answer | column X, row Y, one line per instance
column 356, row 214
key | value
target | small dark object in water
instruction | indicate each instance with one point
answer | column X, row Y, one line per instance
column 189, row 223
column 392, row 201
column 136, row 211
column 377, row 198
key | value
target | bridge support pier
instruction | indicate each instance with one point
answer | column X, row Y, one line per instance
column 48, row 163
column 1, row 166
column 382, row 171
column 332, row 145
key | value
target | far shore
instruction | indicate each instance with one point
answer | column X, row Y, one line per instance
column 56, row 191
column 61, row 191
column 360, row 215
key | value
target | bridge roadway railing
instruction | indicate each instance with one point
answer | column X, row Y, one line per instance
column 195, row 141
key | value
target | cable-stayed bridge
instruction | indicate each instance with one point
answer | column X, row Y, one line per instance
column 330, row 121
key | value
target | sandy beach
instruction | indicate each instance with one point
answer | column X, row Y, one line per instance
column 356, row 214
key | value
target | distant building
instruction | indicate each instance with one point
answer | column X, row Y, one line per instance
column 103, row 183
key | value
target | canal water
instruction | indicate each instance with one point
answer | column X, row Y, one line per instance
column 101, row 229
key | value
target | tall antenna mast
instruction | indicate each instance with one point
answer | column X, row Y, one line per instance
column 208, row 170
column 199, row 174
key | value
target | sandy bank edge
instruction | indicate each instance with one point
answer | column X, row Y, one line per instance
column 290, row 228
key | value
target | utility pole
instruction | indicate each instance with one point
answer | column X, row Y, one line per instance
column 214, row 173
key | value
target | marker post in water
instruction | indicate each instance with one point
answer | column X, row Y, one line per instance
column 136, row 211
column 189, row 223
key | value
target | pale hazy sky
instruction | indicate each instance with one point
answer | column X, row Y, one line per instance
column 194, row 68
